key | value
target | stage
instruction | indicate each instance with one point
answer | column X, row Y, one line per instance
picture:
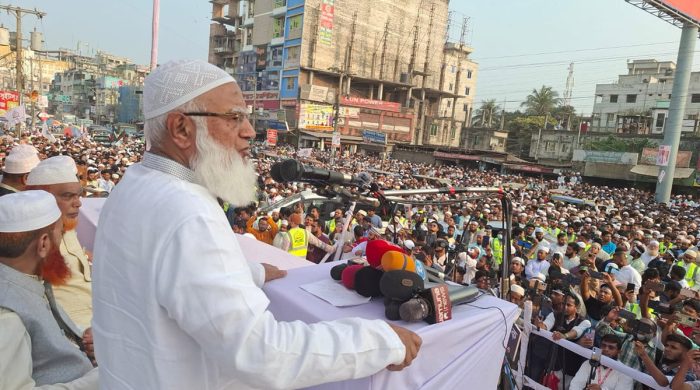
column 465, row 351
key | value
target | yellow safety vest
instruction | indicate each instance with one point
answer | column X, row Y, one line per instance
column 689, row 273
column 663, row 248
column 298, row 242
column 497, row 251
column 331, row 226
column 572, row 238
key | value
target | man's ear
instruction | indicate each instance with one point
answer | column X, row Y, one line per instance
column 24, row 179
column 181, row 130
column 43, row 245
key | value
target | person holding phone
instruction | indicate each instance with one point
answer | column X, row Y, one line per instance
column 607, row 296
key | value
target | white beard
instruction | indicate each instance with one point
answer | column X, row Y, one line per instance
column 223, row 172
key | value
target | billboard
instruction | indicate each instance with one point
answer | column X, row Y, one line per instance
column 318, row 117
column 325, row 29
column 8, row 101
column 688, row 8
column 650, row 157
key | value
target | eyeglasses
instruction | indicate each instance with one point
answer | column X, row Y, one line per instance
column 233, row 116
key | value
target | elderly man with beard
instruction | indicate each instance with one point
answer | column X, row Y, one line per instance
column 177, row 306
column 57, row 175
column 38, row 342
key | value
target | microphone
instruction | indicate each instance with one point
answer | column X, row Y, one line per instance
column 435, row 304
column 367, row 282
column 293, row 170
column 395, row 260
column 337, row 271
column 400, row 285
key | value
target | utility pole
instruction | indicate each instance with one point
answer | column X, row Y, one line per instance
column 154, row 34
column 336, row 114
column 424, row 79
column 19, row 12
column 383, row 57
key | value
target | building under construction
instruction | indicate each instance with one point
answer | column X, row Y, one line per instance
column 387, row 70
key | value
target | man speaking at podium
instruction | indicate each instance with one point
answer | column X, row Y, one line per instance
column 176, row 304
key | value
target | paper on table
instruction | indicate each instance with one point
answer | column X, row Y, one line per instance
column 334, row 293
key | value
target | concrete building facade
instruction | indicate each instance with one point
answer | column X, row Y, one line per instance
column 384, row 66
column 638, row 102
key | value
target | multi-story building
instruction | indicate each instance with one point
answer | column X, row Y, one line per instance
column 375, row 63
column 638, row 102
column 94, row 88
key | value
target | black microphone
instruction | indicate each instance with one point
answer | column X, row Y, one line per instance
column 435, row 304
column 401, row 285
column 293, row 170
column 367, row 282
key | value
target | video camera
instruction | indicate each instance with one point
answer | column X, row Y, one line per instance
column 636, row 326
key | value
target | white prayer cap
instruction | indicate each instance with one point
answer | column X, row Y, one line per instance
column 517, row 289
column 177, row 82
column 54, row 170
column 22, row 159
column 27, row 211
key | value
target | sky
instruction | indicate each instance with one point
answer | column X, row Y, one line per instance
column 518, row 44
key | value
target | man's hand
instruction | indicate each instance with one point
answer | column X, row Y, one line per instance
column 593, row 386
column 89, row 345
column 272, row 272
column 639, row 349
column 411, row 341
column 612, row 314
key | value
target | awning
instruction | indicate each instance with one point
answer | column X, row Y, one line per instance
column 529, row 168
column 329, row 135
column 653, row 170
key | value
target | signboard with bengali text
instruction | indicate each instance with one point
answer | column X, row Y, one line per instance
column 370, row 103
column 8, row 101
column 318, row 117
column 649, row 157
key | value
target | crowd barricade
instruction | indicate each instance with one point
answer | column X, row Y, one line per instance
column 521, row 379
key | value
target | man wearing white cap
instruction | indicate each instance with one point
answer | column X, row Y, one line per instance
column 38, row 342
column 177, row 306
column 57, row 175
column 539, row 264
column 21, row 160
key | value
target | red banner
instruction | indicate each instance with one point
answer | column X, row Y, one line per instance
column 271, row 137
column 689, row 8
column 371, row 104
column 8, row 100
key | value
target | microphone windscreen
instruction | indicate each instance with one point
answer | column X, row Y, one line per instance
column 400, row 285
column 290, row 170
column 414, row 310
column 376, row 249
column 367, row 282
column 337, row 271
column 391, row 310
column 275, row 172
column 348, row 275
column 395, row 260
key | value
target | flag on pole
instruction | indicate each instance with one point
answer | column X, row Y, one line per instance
column 45, row 132
column 16, row 115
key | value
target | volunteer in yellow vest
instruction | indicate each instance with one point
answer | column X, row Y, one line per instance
column 688, row 261
column 330, row 225
column 57, row 175
column 300, row 239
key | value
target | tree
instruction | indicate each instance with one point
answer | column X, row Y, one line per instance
column 541, row 102
column 565, row 116
column 486, row 114
column 520, row 131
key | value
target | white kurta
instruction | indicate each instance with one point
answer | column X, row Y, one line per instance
column 177, row 306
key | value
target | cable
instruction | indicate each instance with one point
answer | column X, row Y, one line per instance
column 576, row 50
column 505, row 320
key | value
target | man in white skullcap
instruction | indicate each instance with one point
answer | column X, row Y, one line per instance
column 176, row 304
column 21, row 160
column 57, row 175
column 39, row 344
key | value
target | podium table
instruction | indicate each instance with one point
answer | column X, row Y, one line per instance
column 465, row 352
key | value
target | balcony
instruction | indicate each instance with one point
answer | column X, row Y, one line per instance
column 277, row 41
column 279, row 11
column 247, row 22
column 223, row 50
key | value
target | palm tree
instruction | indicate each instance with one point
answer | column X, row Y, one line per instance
column 541, row 102
column 485, row 115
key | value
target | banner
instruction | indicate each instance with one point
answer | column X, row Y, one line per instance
column 45, row 132
column 689, row 8
column 8, row 101
column 374, row 137
column 370, row 103
column 663, row 155
column 325, row 28
column 595, row 156
column 305, row 153
column 649, row 157
column 314, row 116
column 271, row 137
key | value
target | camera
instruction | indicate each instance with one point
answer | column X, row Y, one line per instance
column 660, row 307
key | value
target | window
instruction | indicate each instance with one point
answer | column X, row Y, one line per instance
column 565, row 148
column 466, row 91
column 276, row 56
column 613, row 98
column 289, row 83
column 453, row 132
column 550, row 146
column 295, row 25
column 631, row 98
column 695, row 98
column 451, row 86
column 280, row 3
column 278, row 27
column 433, row 130
column 293, row 55
column 466, row 107
column 609, row 118
column 469, row 74
column 660, row 119
column 449, row 103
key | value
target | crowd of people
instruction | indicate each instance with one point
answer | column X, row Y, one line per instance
column 606, row 267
